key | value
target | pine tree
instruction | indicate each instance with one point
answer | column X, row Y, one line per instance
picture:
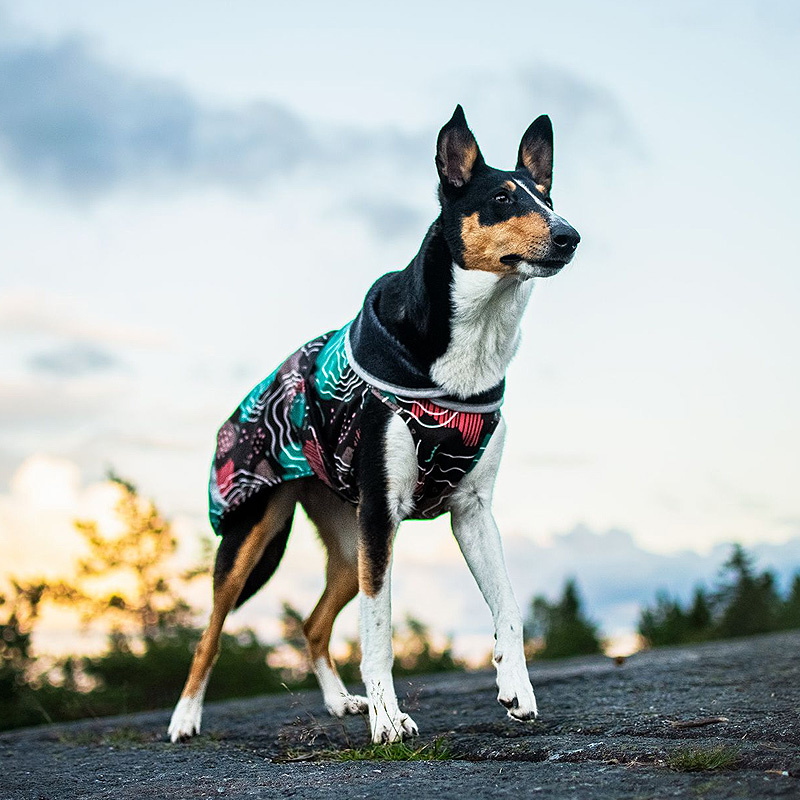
column 699, row 618
column 665, row 623
column 562, row 627
column 749, row 602
column 790, row 612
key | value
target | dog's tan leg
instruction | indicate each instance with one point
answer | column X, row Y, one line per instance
column 337, row 526
column 228, row 585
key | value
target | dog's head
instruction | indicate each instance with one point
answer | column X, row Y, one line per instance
column 497, row 221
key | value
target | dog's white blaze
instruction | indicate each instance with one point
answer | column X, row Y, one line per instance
column 477, row 536
column 401, row 468
column 535, row 198
column 484, row 330
column 549, row 213
column 188, row 714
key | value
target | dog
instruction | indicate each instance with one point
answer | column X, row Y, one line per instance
column 395, row 416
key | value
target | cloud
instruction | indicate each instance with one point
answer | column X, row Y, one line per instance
column 387, row 219
column 589, row 117
column 617, row 576
column 591, row 125
column 75, row 360
column 44, row 407
column 36, row 314
column 70, row 120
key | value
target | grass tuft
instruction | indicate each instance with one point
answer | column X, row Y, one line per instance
column 436, row 750
column 704, row 760
column 116, row 737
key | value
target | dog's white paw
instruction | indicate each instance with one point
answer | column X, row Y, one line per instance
column 392, row 727
column 514, row 691
column 345, row 704
column 186, row 717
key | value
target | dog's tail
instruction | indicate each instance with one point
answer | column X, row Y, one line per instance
column 267, row 564
column 233, row 533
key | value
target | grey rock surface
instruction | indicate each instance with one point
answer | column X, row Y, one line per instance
column 605, row 730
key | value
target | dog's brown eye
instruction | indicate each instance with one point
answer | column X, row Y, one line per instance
column 502, row 197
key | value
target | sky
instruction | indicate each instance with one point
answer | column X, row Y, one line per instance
column 175, row 178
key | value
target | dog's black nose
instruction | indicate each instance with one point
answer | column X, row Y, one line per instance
column 564, row 237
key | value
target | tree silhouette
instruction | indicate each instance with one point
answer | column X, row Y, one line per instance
column 417, row 654
column 20, row 606
column 126, row 576
column 699, row 618
column 562, row 627
column 415, row 651
column 745, row 602
column 665, row 623
column 749, row 602
column 790, row 613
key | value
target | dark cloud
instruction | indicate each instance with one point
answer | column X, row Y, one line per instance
column 70, row 120
column 76, row 360
column 73, row 122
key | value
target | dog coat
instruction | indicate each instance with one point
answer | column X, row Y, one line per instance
column 305, row 419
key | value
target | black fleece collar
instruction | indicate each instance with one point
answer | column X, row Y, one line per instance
column 386, row 363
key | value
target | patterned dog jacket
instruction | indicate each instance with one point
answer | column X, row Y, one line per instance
column 305, row 419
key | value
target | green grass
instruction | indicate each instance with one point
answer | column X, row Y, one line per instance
column 436, row 750
column 116, row 737
column 704, row 760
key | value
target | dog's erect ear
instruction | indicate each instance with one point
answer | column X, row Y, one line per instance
column 536, row 152
column 457, row 152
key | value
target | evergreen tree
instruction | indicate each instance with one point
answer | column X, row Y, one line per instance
column 562, row 627
column 664, row 623
column 745, row 602
column 699, row 618
column 790, row 613
column 749, row 602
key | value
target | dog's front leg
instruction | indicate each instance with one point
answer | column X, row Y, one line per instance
column 477, row 536
column 387, row 722
column 387, row 476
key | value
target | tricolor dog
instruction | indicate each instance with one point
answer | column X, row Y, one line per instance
column 395, row 416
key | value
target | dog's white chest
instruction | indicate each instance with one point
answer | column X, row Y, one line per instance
column 484, row 334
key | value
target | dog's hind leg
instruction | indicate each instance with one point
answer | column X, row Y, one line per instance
column 337, row 525
column 387, row 476
column 239, row 552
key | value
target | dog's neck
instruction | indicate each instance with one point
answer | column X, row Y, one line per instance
column 463, row 325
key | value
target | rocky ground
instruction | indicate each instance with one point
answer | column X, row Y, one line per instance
column 716, row 720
